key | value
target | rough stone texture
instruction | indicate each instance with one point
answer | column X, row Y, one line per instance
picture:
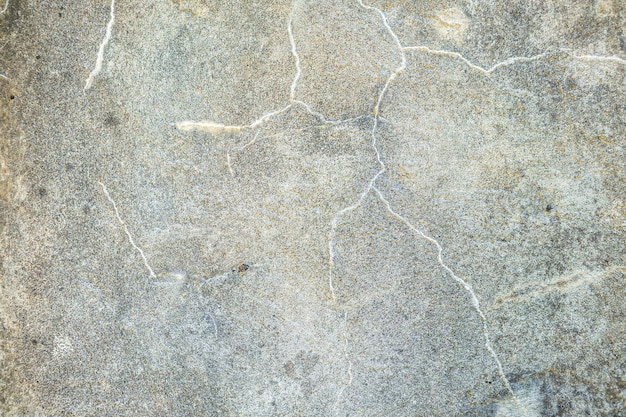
column 266, row 208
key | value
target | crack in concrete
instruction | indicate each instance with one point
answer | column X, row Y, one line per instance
column 347, row 357
column 513, row 60
column 372, row 186
column 103, row 44
column 562, row 284
column 213, row 128
column 127, row 231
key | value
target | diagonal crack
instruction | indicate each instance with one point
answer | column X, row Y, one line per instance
column 103, row 44
column 372, row 186
column 130, row 237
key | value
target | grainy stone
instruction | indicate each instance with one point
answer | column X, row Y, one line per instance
column 313, row 208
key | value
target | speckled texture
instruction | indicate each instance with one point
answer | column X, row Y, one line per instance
column 317, row 208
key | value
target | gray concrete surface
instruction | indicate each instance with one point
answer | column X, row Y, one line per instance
column 313, row 208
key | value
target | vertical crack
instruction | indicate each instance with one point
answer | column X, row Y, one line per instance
column 103, row 44
column 372, row 186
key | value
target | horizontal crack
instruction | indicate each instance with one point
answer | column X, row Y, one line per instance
column 513, row 60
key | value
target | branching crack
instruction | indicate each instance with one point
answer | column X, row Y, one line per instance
column 213, row 127
column 372, row 186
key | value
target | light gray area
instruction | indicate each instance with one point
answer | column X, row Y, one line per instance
column 313, row 208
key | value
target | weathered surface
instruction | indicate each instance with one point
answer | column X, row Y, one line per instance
column 313, row 208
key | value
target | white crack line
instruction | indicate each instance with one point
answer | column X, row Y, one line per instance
column 601, row 58
column 100, row 57
column 6, row 6
column 294, row 52
column 508, row 61
column 562, row 284
column 371, row 185
column 515, row 59
column 466, row 286
column 347, row 356
column 213, row 127
column 383, row 168
column 130, row 237
column 5, row 44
